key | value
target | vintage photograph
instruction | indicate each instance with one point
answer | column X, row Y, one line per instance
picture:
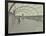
column 24, row 17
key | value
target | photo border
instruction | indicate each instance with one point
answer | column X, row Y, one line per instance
column 6, row 17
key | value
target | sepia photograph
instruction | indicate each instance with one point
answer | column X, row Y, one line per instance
column 25, row 17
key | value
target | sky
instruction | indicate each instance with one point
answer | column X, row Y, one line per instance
column 26, row 9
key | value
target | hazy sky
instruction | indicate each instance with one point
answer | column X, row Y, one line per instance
column 26, row 9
